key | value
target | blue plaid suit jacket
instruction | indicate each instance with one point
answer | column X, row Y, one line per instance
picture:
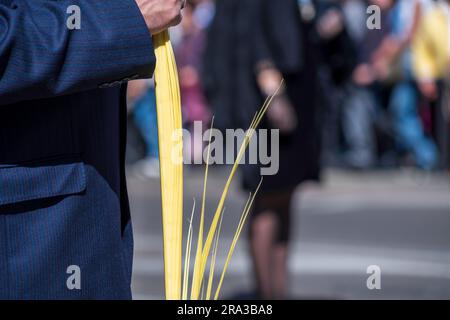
column 63, row 198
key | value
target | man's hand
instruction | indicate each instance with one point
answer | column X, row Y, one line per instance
column 159, row 15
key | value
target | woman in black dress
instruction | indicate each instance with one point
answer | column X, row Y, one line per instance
column 252, row 45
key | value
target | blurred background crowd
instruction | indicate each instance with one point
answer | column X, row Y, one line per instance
column 365, row 89
column 381, row 79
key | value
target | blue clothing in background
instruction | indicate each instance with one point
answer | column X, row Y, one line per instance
column 408, row 125
column 146, row 120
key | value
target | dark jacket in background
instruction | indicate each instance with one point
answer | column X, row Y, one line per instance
column 245, row 32
column 229, row 62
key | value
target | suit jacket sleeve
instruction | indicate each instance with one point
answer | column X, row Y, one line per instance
column 41, row 57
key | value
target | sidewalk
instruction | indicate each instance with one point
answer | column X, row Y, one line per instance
column 397, row 220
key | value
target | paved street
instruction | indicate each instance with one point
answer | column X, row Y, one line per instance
column 397, row 220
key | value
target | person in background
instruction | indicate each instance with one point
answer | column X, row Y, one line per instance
column 339, row 39
column 363, row 99
column 189, row 51
column 393, row 64
column 273, row 40
column 431, row 62
column 355, row 16
column 431, row 49
column 204, row 13
column 142, row 103
column 380, row 104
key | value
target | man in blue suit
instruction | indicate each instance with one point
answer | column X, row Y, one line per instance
column 65, row 229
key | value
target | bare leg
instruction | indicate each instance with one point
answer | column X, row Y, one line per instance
column 280, row 271
column 261, row 242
